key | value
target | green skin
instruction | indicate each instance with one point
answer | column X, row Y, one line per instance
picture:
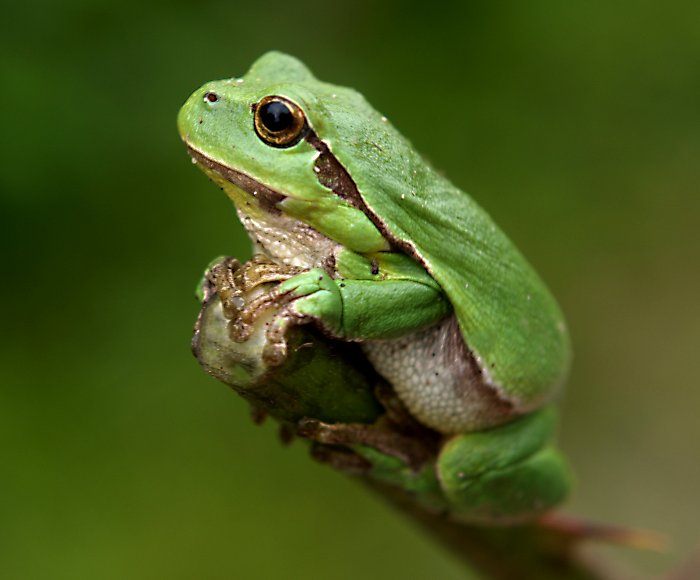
column 386, row 249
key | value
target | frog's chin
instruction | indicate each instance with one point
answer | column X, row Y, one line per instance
column 266, row 198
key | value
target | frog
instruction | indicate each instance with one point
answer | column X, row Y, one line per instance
column 362, row 238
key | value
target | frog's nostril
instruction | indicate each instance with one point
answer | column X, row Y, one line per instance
column 211, row 97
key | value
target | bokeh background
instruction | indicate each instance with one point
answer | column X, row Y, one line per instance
column 576, row 124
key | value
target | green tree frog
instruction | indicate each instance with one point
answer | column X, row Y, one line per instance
column 366, row 241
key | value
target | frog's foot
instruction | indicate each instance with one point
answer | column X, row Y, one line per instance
column 304, row 297
column 234, row 282
column 409, row 450
column 259, row 270
column 221, row 279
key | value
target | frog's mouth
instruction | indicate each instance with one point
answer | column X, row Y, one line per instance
column 267, row 198
column 329, row 172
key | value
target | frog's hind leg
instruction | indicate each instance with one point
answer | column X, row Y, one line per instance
column 405, row 465
column 413, row 452
column 508, row 474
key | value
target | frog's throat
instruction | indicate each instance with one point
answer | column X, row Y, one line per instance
column 267, row 198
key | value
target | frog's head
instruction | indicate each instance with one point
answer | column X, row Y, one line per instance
column 267, row 140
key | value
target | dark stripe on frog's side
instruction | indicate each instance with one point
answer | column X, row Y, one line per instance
column 267, row 198
column 334, row 176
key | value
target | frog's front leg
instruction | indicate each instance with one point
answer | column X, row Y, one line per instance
column 507, row 474
column 351, row 309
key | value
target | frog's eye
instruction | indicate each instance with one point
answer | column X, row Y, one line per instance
column 279, row 122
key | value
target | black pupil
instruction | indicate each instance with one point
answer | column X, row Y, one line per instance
column 276, row 116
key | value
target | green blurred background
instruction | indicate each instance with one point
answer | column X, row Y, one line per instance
column 576, row 124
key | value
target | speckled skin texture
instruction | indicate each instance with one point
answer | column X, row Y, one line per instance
column 287, row 241
column 437, row 378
